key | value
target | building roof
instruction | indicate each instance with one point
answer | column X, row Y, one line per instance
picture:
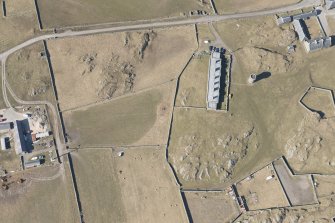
column 5, row 126
column 305, row 15
column 19, row 140
column 214, row 76
column 32, row 163
column 42, row 134
column 299, row 29
column 3, row 143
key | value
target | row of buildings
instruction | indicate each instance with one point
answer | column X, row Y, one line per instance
column 214, row 77
column 310, row 42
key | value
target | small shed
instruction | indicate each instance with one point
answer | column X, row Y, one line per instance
column 3, row 143
column 5, row 126
column 42, row 135
column 32, row 163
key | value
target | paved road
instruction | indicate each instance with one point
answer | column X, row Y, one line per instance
column 156, row 24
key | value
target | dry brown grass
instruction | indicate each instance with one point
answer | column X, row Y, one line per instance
column 270, row 106
column 99, row 186
column 19, row 25
column 234, row 6
column 206, row 146
column 139, row 119
column 52, row 201
column 261, row 193
column 137, row 187
column 325, row 185
column 167, row 53
column 82, row 12
column 320, row 101
column 331, row 23
column 190, row 92
column 214, row 207
column 272, row 103
column 28, row 74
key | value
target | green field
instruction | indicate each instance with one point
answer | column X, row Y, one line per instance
column 120, row 122
column 82, row 12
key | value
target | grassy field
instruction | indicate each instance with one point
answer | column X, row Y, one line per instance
column 214, row 207
column 27, row 68
column 325, row 185
column 205, row 146
column 272, row 103
column 82, row 12
column 119, row 122
column 20, row 23
column 261, row 193
column 102, row 204
column 270, row 106
column 234, row 6
column 141, row 119
column 51, row 201
column 320, row 101
column 94, row 68
column 331, row 23
column 193, row 93
column 137, row 187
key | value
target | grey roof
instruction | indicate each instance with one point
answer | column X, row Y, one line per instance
column 5, row 126
column 19, row 140
column 32, row 163
column 3, row 143
column 214, row 76
column 284, row 19
column 319, row 43
column 299, row 29
column 305, row 15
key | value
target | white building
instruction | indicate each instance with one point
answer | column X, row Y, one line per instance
column 319, row 43
column 299, row 30
column 42, row 135
column 3, row 143
column 214, row 79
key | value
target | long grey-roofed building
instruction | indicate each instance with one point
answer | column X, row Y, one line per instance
column 32, row 163
column 305, row 15
column 299, row 29
column 19, row 140
column 5, row 126
column 319, row 43
column 214, row 77
column 287, row 19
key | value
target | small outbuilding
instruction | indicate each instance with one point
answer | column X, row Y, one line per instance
column 5, row 126
column 4, row 143
column 32, row 163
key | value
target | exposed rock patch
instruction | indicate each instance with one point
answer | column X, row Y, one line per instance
column 311, row 144
column 195, row 161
